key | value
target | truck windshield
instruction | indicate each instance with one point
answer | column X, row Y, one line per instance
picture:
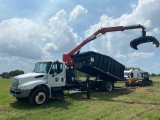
column 42, row 67
column 146, row 75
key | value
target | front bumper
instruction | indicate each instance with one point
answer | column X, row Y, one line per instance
column 19, row 93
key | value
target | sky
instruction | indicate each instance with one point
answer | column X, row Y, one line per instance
column 45, row 30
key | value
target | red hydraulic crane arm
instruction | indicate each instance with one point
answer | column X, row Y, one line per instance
column 67, row 57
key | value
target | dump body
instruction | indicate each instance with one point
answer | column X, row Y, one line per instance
column 98, row 65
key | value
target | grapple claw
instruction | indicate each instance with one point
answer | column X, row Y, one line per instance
column 134, row 43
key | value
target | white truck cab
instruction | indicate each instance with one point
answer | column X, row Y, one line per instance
column 130, row 73
column 38, row 86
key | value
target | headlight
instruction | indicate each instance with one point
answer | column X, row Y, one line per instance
column 23, row 87
column 15, row 83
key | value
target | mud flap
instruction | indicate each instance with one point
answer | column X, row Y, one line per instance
column 134, row 43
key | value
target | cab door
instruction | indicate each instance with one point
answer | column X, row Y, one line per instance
column 56, row 75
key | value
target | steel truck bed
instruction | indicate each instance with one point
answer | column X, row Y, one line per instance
column 98, row 65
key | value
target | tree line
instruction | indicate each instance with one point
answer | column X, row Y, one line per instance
column 11, row 73
column 154, row 74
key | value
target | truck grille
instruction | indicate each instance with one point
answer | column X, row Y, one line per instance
column 15, row 83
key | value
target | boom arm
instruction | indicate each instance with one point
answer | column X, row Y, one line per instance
column 67, row 57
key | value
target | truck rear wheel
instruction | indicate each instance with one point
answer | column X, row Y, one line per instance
column 108, row 86
column 38, row 97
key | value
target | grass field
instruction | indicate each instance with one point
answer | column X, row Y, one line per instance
column 133, row 103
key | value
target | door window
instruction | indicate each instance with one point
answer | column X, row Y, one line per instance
column 57, row 68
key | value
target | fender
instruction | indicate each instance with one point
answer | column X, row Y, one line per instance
column 32, row 84
column 134, row 43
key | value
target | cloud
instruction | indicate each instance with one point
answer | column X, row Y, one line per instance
column 62, row 36
column 78, row 10
column 131, row 63
column 117, row 43
column 21, row 37
column 25, row 38
column 9, row 63
column 140, row 55
column 148, row 10
column 50, row 47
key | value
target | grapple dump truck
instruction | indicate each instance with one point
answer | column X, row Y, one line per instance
column 50, row 78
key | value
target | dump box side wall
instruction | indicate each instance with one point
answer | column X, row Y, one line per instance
column 97, row 64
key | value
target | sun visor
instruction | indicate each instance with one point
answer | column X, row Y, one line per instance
column 134, row 43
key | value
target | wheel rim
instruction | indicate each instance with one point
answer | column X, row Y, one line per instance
column 40, row 98
column 109, row 87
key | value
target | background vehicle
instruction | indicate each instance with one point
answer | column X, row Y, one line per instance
column 137, row 78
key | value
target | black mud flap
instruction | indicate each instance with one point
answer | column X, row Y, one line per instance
column 134, row 43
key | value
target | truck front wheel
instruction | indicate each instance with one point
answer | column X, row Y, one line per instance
column 38, row 97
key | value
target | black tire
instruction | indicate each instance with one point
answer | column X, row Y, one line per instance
column 145, row 83
column 108, row 86
column 127, row 84
column 38, row 97
column 150, row 82
column 141, row 83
